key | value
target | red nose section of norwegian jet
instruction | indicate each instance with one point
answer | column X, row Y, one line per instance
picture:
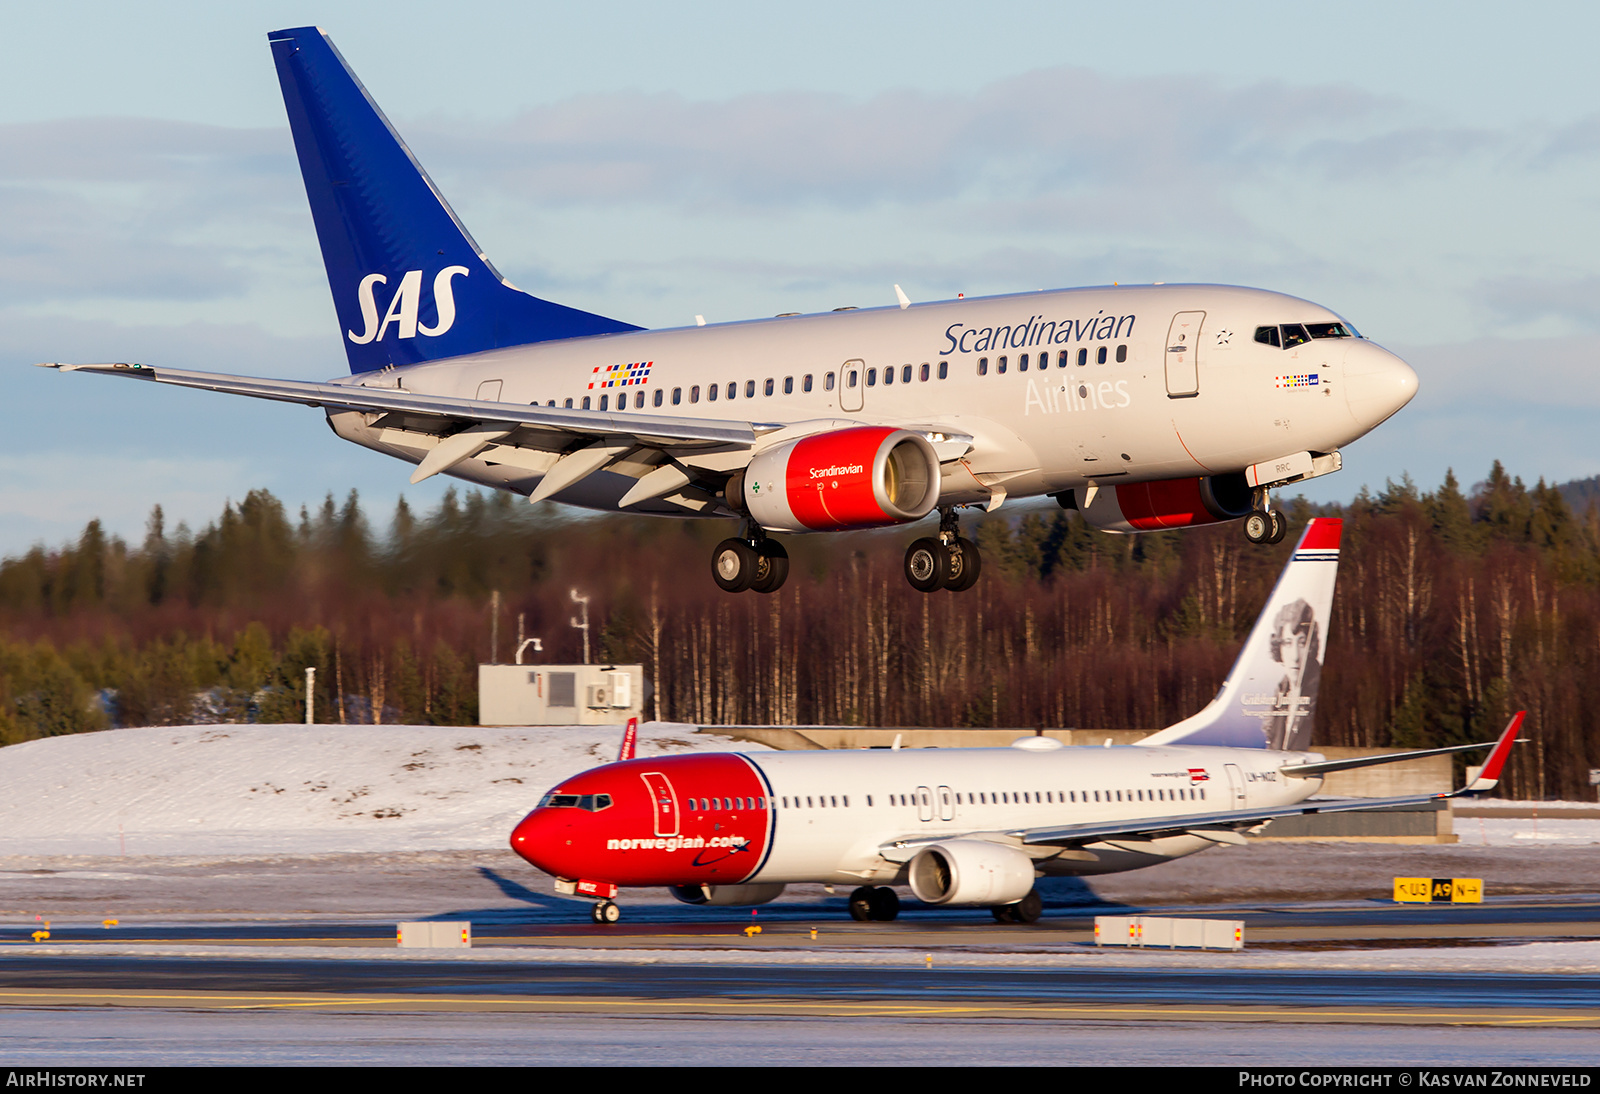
column 667, row 821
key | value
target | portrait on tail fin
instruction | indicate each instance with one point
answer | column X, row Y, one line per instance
column 1296, row 644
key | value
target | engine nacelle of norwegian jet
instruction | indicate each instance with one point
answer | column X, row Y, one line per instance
column 846, row 478
column 725, row 895
column 969, row 871
column 1168, row 503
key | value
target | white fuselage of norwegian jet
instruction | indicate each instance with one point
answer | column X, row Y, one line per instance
column 1058, row 390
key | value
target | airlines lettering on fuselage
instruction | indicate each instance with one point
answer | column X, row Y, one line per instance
column 405, row 305
column 1098, row 328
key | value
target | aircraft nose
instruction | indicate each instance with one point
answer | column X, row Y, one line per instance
column 1376, row 383
column 535, row 837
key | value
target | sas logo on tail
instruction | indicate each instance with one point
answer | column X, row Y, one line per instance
column 404, row 305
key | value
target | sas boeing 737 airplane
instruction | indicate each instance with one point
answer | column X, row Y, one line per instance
column 1145, row 407
column 973, row 826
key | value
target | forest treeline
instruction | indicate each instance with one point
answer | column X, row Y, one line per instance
column 1452, row 610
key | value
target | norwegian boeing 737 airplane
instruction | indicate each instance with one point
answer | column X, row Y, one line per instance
column 973, row 826
column 1145, row 407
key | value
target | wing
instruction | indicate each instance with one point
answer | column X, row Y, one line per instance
column 684, row 460
column 1224, row 826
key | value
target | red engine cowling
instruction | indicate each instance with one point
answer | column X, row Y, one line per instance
column 847, row 478
column 1168, row 503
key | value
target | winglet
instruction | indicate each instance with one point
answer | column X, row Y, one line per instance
column 630, row 740
column 1490, row 775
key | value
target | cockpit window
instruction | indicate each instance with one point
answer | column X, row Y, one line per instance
column 1328, row 330
column 1268, row 336
column 591, row 802
column 1294, row 335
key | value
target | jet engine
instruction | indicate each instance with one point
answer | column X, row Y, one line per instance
column 723, row 895
column 846, row 478
column 1168, row 503
column 966, row 871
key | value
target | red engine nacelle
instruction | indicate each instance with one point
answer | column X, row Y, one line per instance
column 1168, row 503
column 847, row 478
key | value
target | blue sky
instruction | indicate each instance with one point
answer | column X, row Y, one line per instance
column 1425, row 170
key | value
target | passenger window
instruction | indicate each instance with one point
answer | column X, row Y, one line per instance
column 788, row 385
column 767, row 387
column 694, row 394
column 888, row 376
column 923, row 374
column 1083, row 357
column 1100, row 358
column 1122, row 354
column 733, row 388
column 1294, row 335
column 872, row 376
column 638, row 400
column 905, row 374
column 660, row 392
column 805, row 383
column 586, row 402
column 1061, row 359
column 983, row 366
column 851, row 378
column 1267, row 336
column 750, row 389
column 944, row 370
column 712, row 391
column 1022, row 363
column 1000, row 366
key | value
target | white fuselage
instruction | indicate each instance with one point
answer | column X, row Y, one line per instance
column 1022, row 375
column 926, row 794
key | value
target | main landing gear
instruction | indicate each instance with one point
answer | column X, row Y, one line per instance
column 1026, row 910
column 946, row 561
column 1265, row 524
column 879, row 903
column 605, row 912
column 750, row 561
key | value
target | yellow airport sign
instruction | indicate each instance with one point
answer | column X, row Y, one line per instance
column 1428, row 890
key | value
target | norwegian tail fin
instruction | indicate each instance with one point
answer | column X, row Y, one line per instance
column 1270, row 695
column 409, row 283
column 630, row 741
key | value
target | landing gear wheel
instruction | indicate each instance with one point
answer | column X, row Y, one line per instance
column 927, row 565
column 885, row 904
column 1280, row 526
column 1004, row 913
column 605, row 912
column 733, row 565
column 965, row 566
column 1028, row 909
column 861, row 904
column 1257, row 527
column 772, row 567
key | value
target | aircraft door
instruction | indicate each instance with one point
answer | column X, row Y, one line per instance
column 924, row 803
column 947, row 804
column 663, row 801
column 1182, row 355
column 1236, row 786
column 852, row 385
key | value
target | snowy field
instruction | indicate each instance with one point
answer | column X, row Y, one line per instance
column 323, row 789
column 296, row 789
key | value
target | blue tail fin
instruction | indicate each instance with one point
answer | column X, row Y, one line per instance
column 408, row 281
column 1270, row 695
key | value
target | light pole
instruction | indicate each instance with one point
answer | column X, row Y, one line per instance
column 584, row 624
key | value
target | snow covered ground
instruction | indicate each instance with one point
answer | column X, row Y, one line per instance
column 308, row 790
column 297, row 789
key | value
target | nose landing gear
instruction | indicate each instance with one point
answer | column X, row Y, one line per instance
column 605, row 912
column 946, row 561
column 1265, row 524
